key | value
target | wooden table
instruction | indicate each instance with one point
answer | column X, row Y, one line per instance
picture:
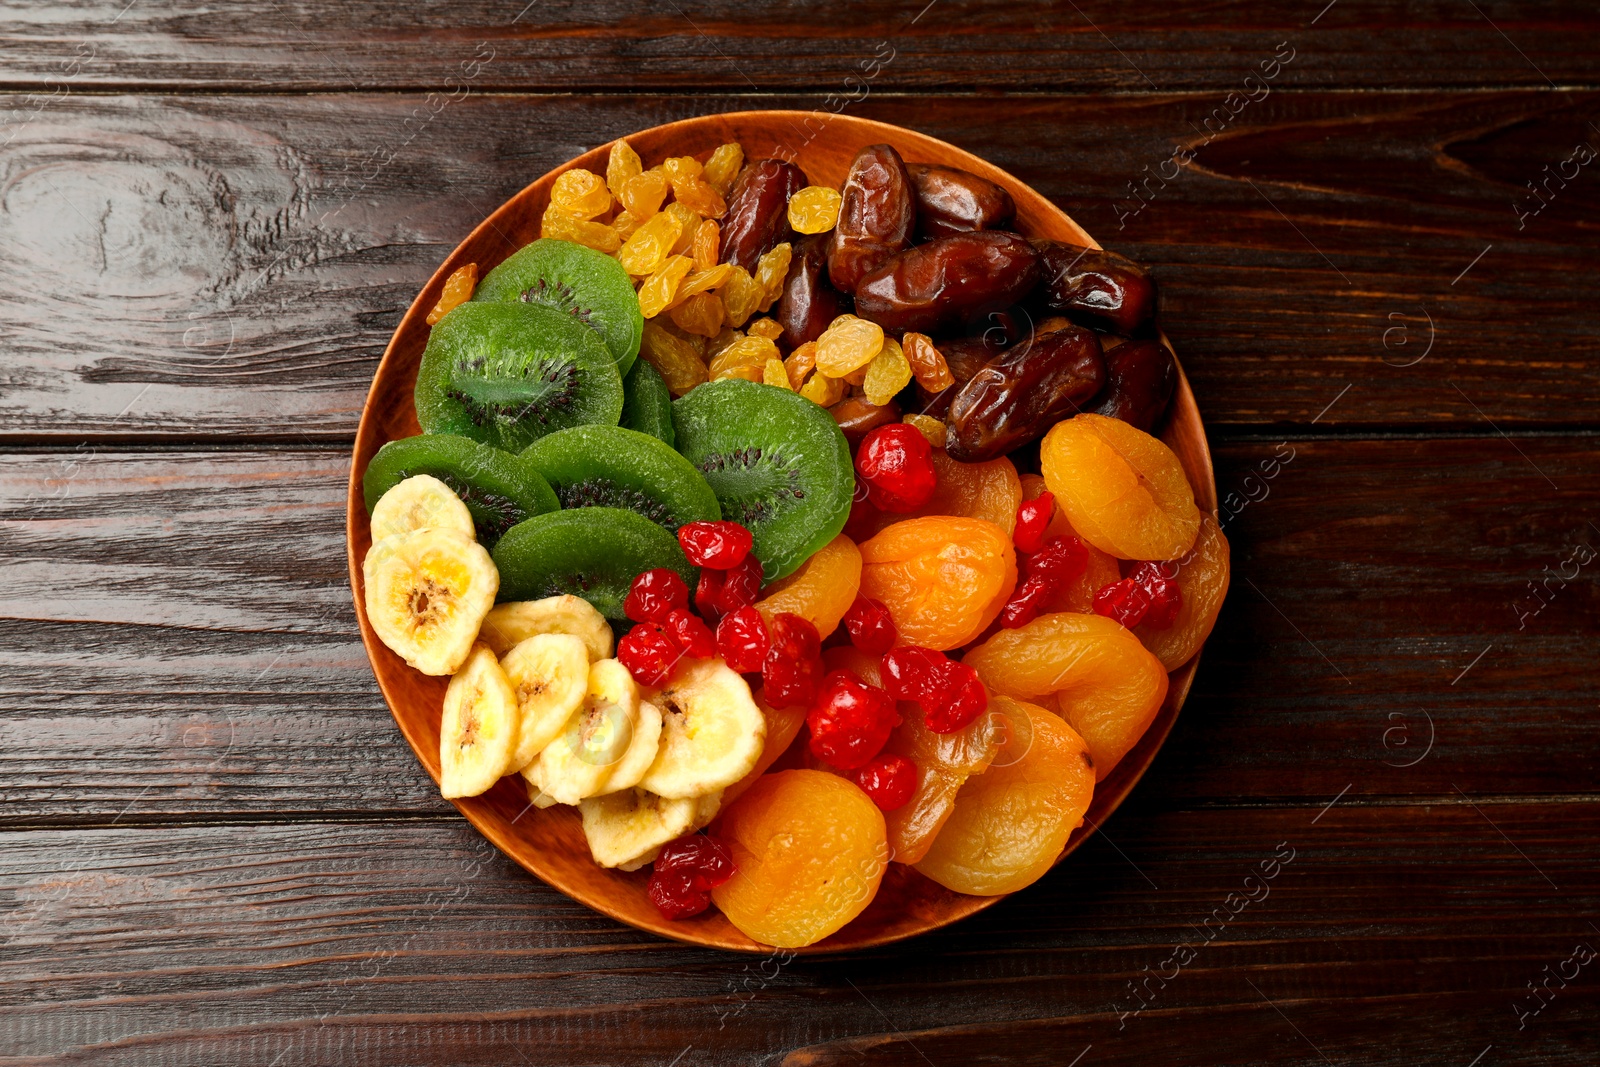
column 217, row 849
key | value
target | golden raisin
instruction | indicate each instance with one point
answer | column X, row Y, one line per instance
column 625, row 223
column 771, row 270
column 623, row 163
column 823, row 390
column 750, row 352
column 581, row 194
column 932, row 428
column 768, row 328
column 775, row 375
column 698, row 196
column 707, row 239
column 702, row 281
column 457, row 290
column 927, row 363
column 659, row 289
column 723, row 166
column 675, row 359
column 688, row 221
column 643, row 193
column 650, row 245
column 700, row 314
column 749, row 374
column 814, row 209
column 887, row 374
column 562, row 227
column 846, row 344
column 741, row 294
column 801, row 362
column 725, row 337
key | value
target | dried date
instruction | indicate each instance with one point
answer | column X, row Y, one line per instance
column 876, row 216
column 944, row 283
column 1094, row 287
column 951, row 201
column 809, row 303
column 1140, row 379
column 1023, row 392
column 758, row 211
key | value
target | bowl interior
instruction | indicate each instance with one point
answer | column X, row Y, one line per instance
column 550, row 843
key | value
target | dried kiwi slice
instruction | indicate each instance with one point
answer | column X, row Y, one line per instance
column 499, row 489
column 608, row 466
column 777, row 462
column 507, row 374
column 590, row 286
column 594, row 553
column 646, row 404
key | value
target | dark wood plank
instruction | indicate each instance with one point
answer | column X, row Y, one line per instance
column 190, row 266
column 951, row 44
column 413, row 942
column 180, row 643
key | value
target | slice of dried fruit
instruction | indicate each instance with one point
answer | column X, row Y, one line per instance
column 945, row 762
column 1012, row 821
column 426, row 594
column 1106, row 683
column 478, row 730
column 1203, row 577
column 943, row 579
column 809, row 850
column 1123, row 491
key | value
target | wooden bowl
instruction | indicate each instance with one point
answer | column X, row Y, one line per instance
column 550, row 842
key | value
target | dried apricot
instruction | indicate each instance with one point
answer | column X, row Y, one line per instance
column 783, row 726
column 1105, row 682
column 990, row 490
column 822, row 590
column 457, row 290
column 1122, row 490
column 809, row 850
column 945, row 762
column 1203, row 578
column 1012, row 821
column 943, row 578
column 1102, row 569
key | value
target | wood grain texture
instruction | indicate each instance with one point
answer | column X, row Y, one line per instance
column 180, row 639
column 414, row 942
column 180, row 267
column 952, row 44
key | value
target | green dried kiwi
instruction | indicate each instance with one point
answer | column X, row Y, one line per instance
column 507, row 374
column 499, row 489
column 646, row 404
column 608, row 466
column 595, row 553
column 590, row 286
column 777, row 462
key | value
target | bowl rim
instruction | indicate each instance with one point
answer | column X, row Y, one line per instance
column 1109, row 794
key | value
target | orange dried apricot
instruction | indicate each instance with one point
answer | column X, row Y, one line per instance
column 944, row 763
column 989, row 490
column 821, row 591
column 943, row 578
column 457, row 290
column 1011, row 822
column 1203, row 578
column 1123, row 491
column 809, row 850
column 1105, row 682
column 783, row 726
column 1102, row 569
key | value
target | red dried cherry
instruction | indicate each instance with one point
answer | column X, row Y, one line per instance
column 896, row 462
column 649, row 653
column 708, row 594
column 1060, row 561
column 704, row 859
column 675, row 896
column 740, row 585
column 1124, row 600
column 911, row 672
column 871, row 627
column 691, row 635
column 1033, row 518
column 793, row 667
column 742, row 640
column 962, row 698
column 849, row 720
column 1159, row 580
column 889, row 780
column 1026, row 603
column 654, row 595
column 718, row 545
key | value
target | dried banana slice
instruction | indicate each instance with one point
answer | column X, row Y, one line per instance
column 581, row 759
column 549, row 673
column 479, row 727
column 626, row 829
column 509, row 624
column 641, row 752
column 427, row 593
column 711, row 734
column 421, row 502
